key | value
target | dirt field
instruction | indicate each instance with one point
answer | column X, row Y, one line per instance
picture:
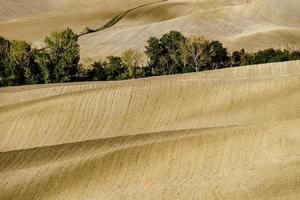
column 224, row 134
column 249, row 24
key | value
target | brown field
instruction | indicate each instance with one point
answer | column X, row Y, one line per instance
column 224, row 134
column 249, row 24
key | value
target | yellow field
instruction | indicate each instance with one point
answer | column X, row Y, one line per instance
column 249, row 24
column 225, row 134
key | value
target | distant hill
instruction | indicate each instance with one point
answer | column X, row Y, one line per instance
column 249, row 24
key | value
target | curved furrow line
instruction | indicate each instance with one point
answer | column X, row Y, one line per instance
column 99, row 171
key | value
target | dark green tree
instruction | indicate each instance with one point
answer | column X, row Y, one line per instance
column 154, row 51
column 270, row 55
column 236, row 58
column 97, row 72
column 4, row 60
column 295, row 55
column 41, row 65
column 219, row 55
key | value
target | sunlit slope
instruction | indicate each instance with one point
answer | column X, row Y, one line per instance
column 269, row 23
column 32, row 20
column 249, row 24
column 246, row 162
column 34, row 116
column 226, row 134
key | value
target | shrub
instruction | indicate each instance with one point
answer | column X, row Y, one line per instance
column 87, row 30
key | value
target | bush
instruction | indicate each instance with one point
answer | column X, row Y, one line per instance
column 87, row 30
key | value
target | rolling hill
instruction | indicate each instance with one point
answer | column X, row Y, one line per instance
column 249, row 24
column 223, row 134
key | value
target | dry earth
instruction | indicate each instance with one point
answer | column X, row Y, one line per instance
column 225, row 134
column 249, row 24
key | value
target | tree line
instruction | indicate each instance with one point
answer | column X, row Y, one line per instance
column 172, row 53
column 58, row 61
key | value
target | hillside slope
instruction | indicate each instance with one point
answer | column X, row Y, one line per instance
column 249, row 24
column 225, row 134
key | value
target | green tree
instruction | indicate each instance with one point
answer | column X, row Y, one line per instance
column 164, row 53
column 246, row 58
column 63, row 50
column 270, row 55
column 20, row 61
column 41, row 65
column 171, row 42
column 114, row 68
column 4, row 60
